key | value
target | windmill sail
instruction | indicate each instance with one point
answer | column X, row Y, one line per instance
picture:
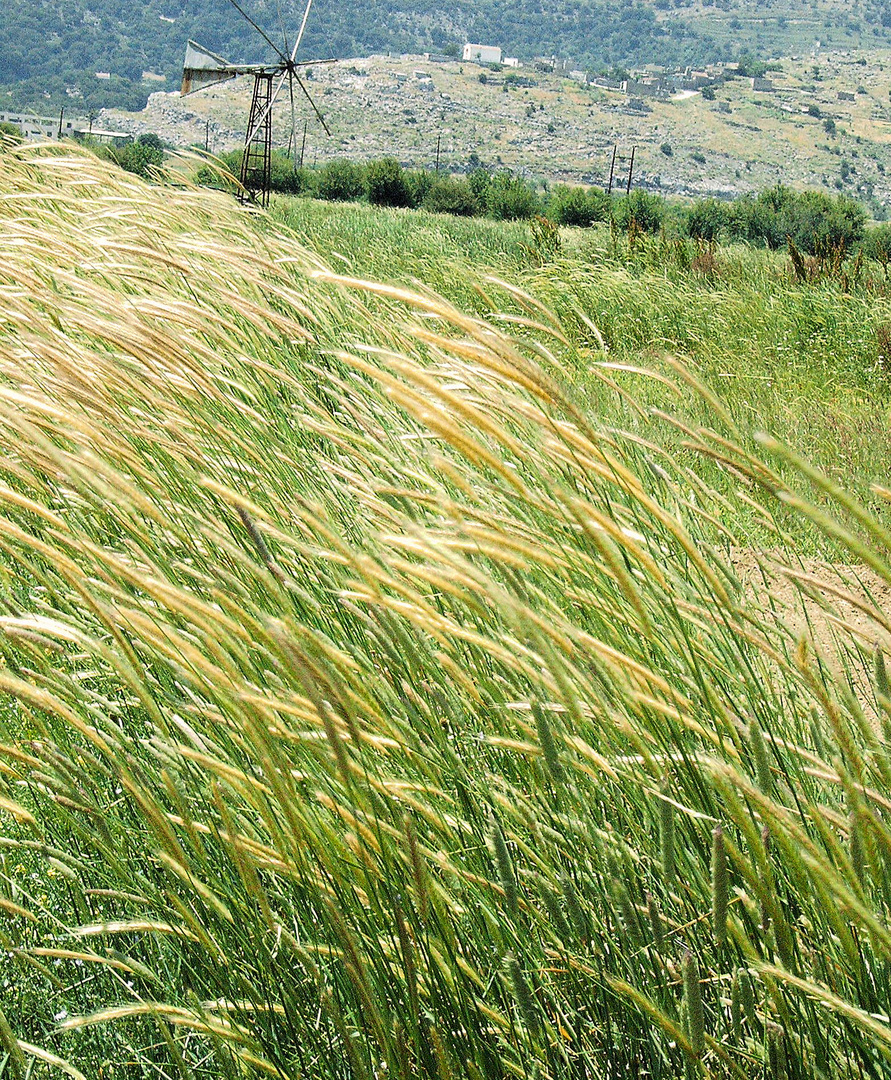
column 203, row 68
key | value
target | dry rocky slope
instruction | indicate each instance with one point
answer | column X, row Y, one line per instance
column 824, row 121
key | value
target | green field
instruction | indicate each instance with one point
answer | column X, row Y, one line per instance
column 389, row 688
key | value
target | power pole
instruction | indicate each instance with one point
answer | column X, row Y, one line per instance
column 438, row 144
column 207, row 136
column 612, row 169
column 61, row 118
column 630, row 171
column 303, row 144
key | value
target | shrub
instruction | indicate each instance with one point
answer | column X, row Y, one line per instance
column 817, row 223
column 450, row 196
column 340, row 181
column 480, row 181
column 825, row 224
column 418, row 182
column 577, row 206
column 508, row 198
column 640, row 210
column 10, row 133
column 137, row 157
column 705, row 219
column 284, row 177
column 877, row 244
column 666, row 149
column 385, row 183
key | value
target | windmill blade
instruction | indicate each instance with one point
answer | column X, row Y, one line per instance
column 310, row 100
column 203, row 68
column 301, row 31
column 259, row 30
column 281, row 25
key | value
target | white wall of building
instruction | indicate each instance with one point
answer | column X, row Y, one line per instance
column 482, row 54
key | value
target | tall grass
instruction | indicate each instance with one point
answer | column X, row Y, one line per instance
column 371, row 708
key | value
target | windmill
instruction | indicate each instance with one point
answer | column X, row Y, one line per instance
column 203, row 68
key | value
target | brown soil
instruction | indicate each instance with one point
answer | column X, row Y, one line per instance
column 831, row 604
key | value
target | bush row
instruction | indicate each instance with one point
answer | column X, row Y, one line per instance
column 817, row 223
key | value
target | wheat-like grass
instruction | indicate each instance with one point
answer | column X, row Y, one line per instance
column 384, row 710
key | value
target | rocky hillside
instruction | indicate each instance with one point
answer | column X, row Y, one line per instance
column 820, row 123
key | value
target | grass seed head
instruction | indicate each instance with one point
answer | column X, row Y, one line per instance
column 504, row 865
column 666, row 838
column 523, row 998
column 719, row 887
column 693, row 1000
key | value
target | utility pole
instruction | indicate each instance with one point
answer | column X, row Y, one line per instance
column 612, row 169
column 207, row 136
column 303, row 144
column 438, row 144
column 61, row 118
column 630, row 171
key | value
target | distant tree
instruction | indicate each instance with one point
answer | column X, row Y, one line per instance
column 10, row 134
column 136, row 158
column 447, row 195
column 817, row 223
column 385, row 183
column 578, row 206
column 708, row 93
column 705, row 219
column 480, row 180
column 508, row 198
column 418, row 182
column 150, row 139
column 340, row 181
column 814, row 110
column 283, row 176
column 641, row 210
column 877, row 245
column 750, row 68
column 829, row 125
column 666, row 149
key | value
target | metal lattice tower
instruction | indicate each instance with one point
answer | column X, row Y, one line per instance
column 256, row 162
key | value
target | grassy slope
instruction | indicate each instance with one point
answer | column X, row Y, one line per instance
column 370, row 703
column 801, row 362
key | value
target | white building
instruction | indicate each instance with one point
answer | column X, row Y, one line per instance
column 482, row 54
column 41, row 127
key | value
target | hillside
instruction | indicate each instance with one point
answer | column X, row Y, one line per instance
column 51, row 50
column 555, row 129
